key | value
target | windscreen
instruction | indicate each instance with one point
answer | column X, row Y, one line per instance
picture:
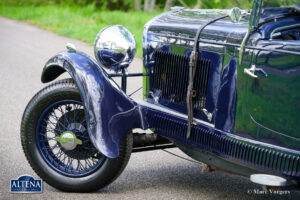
column 266, row 10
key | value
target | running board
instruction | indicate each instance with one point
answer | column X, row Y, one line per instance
column 269, row 180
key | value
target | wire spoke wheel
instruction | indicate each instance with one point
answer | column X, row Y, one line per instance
column 58, row 118
column 57, row 145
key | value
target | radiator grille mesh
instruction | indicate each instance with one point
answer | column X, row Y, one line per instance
column 171, row 76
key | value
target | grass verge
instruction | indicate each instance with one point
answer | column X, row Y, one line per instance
column 81, row 23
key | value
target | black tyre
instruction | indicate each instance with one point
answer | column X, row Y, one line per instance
column 55, row 111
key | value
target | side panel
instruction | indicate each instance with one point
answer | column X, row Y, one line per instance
column 273, row 97
column 109, row 112
column 230, row 135
column 246, row 156
column 267, row 106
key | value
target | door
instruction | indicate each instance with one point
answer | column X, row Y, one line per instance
column 273, row 94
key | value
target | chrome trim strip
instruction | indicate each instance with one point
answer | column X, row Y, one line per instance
column 282, row 28
column 170, row 111
column 271, row 130
column 227, row 44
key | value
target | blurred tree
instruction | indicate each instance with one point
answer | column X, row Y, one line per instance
column 169, row 4
column 149, row 5
column 146, row 5
column 152, row 5
column 137, row 5
column 114, row 4
column 198, row 4
column 183, row 3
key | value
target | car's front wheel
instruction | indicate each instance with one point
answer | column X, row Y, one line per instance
column 56, row 143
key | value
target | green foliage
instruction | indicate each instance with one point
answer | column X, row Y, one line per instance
column 130, row 4
column 99, row 4
column 278, row 3
column 115, row 5
column 209, row 4
column 82, row 19
column 82, row 23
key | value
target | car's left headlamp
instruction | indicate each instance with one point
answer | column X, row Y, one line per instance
column 114, row 47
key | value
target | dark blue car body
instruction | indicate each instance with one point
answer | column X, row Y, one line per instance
column 242, row 124
column 255, row 121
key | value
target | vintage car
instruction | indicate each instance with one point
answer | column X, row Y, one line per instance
column 221, row 85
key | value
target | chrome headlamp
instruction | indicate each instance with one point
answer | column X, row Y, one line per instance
column 114, row 47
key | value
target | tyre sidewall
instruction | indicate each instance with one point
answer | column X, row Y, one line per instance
column 106, row 173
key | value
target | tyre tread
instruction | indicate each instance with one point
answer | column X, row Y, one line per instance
column 117, row 165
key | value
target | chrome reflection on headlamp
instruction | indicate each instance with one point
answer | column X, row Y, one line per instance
column 114, row 47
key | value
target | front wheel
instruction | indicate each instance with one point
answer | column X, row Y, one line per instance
column 56, row 143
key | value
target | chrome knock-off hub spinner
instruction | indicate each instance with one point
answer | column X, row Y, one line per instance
column 68, row 140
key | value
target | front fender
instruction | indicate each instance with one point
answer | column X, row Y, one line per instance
column 110, row 113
